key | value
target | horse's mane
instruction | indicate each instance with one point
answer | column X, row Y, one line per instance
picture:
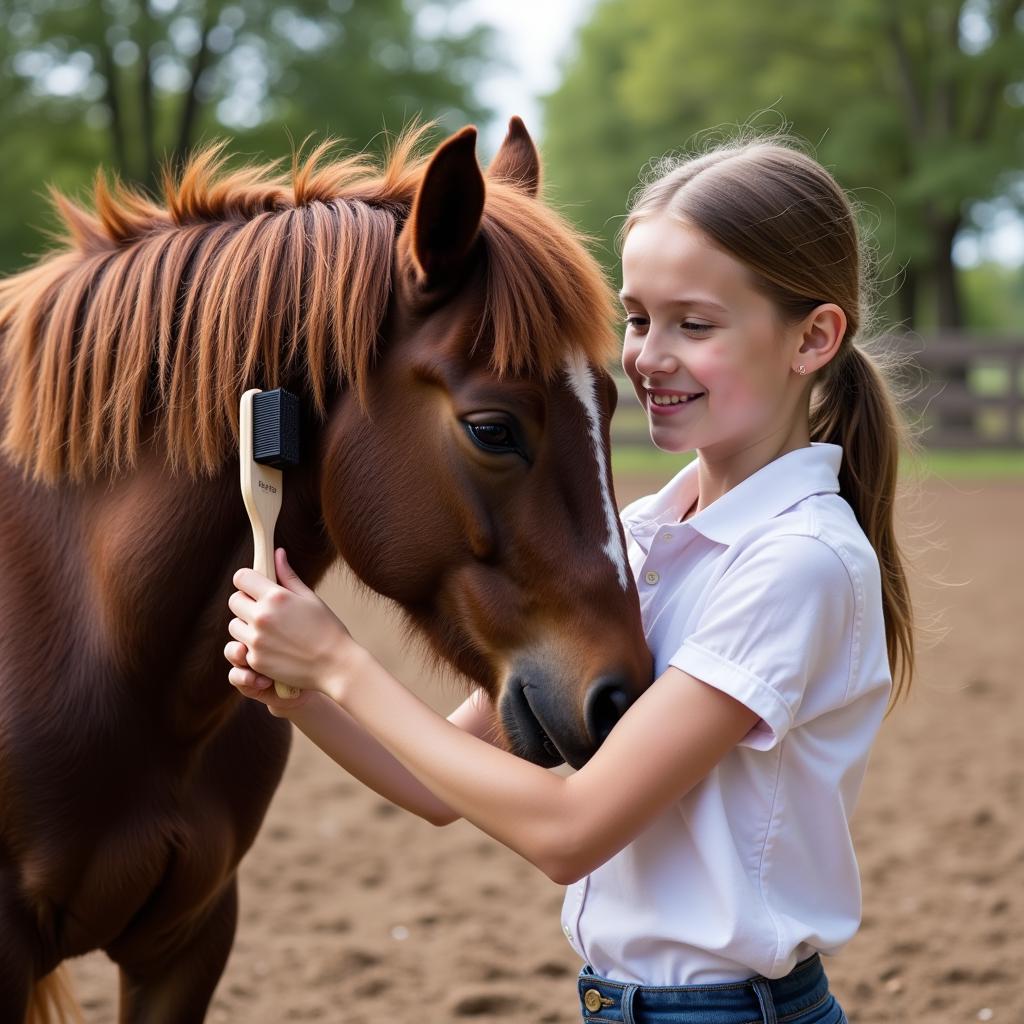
column 242, row 278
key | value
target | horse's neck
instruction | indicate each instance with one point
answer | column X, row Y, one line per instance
column 160, row 553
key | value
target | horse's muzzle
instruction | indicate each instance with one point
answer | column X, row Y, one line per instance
column 544, row 726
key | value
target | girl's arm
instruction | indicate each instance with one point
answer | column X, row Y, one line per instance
column 665, row 743
column 349, row 745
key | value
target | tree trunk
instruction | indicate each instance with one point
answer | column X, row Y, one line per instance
column 949, row 308
column 957, row 417
column 112, row 99
column 906, row 299
column 190, row 106
column 146, row 119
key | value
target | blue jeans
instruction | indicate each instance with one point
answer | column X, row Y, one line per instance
column 801, row 997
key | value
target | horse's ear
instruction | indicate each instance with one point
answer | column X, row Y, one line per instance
column 517, row 160
column 445, row 215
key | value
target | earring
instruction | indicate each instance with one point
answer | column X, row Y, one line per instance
column 803, row 369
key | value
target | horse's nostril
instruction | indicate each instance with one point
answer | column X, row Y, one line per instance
column 605, row 704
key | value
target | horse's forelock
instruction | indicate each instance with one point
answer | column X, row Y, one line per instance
column 547, row 296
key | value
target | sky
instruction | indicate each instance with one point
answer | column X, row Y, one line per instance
column 534, row 35
column 537, row 33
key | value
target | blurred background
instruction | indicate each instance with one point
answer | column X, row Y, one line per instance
column 355, row 912
column 916, row 106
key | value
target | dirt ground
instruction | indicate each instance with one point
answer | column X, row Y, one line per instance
column 356, row 912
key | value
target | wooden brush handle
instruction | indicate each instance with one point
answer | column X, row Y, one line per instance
column 262, row 491
column 263, row 562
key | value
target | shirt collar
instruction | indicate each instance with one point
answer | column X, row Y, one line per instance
column 761, row 496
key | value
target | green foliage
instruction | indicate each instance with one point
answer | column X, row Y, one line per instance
column 994, row 297
column 917, row 108
column 131, row 83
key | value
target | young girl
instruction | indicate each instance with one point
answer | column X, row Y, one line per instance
column 706, row 845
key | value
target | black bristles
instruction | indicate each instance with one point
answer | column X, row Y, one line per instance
column 275, row 428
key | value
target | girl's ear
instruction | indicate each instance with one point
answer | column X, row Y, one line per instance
column 823, row 333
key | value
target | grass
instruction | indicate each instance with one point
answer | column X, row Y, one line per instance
column 987, row 464
column 981, row 464
column 636, row 461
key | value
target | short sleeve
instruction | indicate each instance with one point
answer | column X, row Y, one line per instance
column 779, row 620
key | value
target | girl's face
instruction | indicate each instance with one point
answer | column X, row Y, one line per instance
column 695, row 326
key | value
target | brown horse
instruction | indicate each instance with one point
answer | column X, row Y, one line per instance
column 446, row 335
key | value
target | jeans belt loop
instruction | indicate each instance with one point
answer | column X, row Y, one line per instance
column 627, row 1004
column 764, row 997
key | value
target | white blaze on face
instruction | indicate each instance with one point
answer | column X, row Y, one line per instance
column 581, row 380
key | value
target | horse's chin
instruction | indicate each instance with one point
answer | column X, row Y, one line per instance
column 527, row 737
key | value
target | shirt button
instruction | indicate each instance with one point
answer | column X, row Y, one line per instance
column 666, row 536
column 651, row 577
column 568, row 931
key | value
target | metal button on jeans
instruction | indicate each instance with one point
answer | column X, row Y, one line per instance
column 592, row 1000
column 651, row 577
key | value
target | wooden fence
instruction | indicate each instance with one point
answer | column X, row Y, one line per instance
column 968, row 389
column 963, row 391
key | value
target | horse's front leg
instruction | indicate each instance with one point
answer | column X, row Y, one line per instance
column 175, row 985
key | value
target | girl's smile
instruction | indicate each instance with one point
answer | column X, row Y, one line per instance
column 661, row 402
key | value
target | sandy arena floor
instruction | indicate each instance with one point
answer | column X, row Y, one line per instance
column 356, row 912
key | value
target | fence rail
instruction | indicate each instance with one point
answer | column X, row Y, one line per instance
column 964, row 391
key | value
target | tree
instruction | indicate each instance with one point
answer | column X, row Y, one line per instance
column 131, row 83
column 916, row 107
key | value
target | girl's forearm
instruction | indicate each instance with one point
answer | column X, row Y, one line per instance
column 347, row 743
column 520, row 804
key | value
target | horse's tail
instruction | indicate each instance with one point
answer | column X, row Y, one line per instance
column 53, row 1001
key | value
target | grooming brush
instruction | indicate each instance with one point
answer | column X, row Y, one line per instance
column 268, row 441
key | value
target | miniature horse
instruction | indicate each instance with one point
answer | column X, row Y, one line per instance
column 446, row 335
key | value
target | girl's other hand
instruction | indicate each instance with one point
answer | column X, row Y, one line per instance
column 251, row 684
column 288, row 632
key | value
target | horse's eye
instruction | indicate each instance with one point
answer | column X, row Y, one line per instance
column 495, row 437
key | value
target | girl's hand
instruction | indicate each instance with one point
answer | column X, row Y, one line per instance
column 289, row 634
column 251, row 684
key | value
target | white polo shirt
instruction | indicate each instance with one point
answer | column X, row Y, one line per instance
column 772, row 594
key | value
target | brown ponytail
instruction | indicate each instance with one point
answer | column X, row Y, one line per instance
column 853, row 405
